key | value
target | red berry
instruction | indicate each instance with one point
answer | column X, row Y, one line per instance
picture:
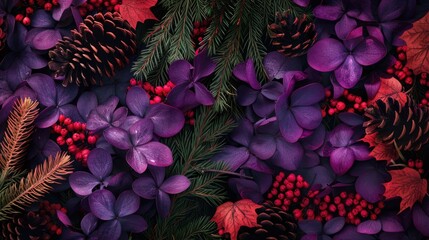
column 92, row 140
column 48, row 7
column 157, row 99
column 340, row 106
column 291, row 178
column 76, row 137
column 67, row 121
column 29, row 10
column 26, row 21
column 331, row 111
column 69, row 141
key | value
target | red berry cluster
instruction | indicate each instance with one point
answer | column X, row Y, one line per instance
column 74, row 136
column 425, row 100
column 423, row 79
column 288, row 193
column 99, row 6
column 399, row 69
column 46, row 215
column 347, row 102
column 199, row 31
column 416, row 164
column 25, row 9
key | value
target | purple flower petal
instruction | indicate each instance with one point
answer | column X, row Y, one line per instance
column 127, row 203
column 369, row 227
column 119, row 116
column 64, row 219
column 391, row 223
column 163, row 203
column 331, row 13
column 83, row 183
column 180, row 72
column 133, row 223
column 341, row 135
column 109, row 230
column 141, row 132
column 351, row 119
column 262, row 146
column 44, row 87
column 350, row 233
column 118, row 138
column 372, row 85
column 257, row 165
column 57, row 12
column 245, row 71
column 308, row 117
column 42, row 19
column 246, row 95
column 66, row 95
column 137, row 101
column 308, row 95
column 302, row 3
column 136, row 160
column 334, row 225
column 145, row 187
column 341, row 160
column 316, row 139
column 243, row 132
column 389, row 10
column 246, row 189
column 310, row 226
column 204, row 66
column 235, row 157
column 361, row 151
column 100, row 163
column 349, row 73
column 203, row 95
column 420, row 220
column 276, row 65
column 326, row 55
column 167, row 120
column 288, row 155
column 102, row 203
column 101, row 117
column 46, row 39
column 345, row 26
column 320, row 175
column 288, row 126
column 47, row 117
column 158, row 174
column 369, row 52
column 182, row 98
column 88, row 223
column 86, row 103
column 272, row 90
column 157, row 154
column 175, row 184
column 263, row 107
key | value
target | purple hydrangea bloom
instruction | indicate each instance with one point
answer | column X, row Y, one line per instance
column 55, row 98
column 167, row 120
column 315, row 230
column 346, row 148
column 85, row 104
column 105, row 116
column 349, row 232
column 158, row 188
column 189, row 92
column 420, row 216
column 141, row 149
column 100, row 166
column 44, row 34
column 41, row 146
column 387, row 222
column 118, row 214
column 88, row 225
column 370, row 176
column 346, row 58
column 301, row 111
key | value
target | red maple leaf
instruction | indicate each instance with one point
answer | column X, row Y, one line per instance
column 137, row 10
column 417, row 39
column 390, row 87
column 231, row 216
column 406, row 184
column 380, row 151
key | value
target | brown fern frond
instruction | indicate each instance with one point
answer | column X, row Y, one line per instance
column 35, row 185
column 17, row 135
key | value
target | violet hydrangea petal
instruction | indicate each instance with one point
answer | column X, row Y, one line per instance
column 349, row 73
column 334, row 225
column 163, row 203
column 203, row 95
column 369, row 227
column 345, row 26
column 145, row 187
column 136, row 160
column 288, row 126
column 262, row 146
column 361, row 151
column 369, row 52
column 141, row 132
column 263, row 107
column 288, row 155
column 175, row 184
column 88, row 223
column 100, row 163
column 326, row 12
column 234, row 157
column 46, row 39
column 167, row 120
column 44, row 87
column 157, row 154
column 308, row 117
column 308, row 95
column 137, row 101
column 102, row 203
column 391, row 223
column 86, row 103
column 47, row 117
column 341, row 135
column 341, row 160
column 127, row 203
column 133, row 223
column 272, row 90
column 326, row 55
column 420, row 220
column 245, row 71
column 310, row 226
column 203, row 65
column 257, row 165
column 42, row 19
column 109, row 230
column 246, row 95
column 180, row 72
column 118, row 138
column 276, row 65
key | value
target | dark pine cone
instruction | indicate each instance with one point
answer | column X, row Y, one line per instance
column 275, row 224
column 103, row 44
column 31, row 226
column 292, row 36
column 408, row 126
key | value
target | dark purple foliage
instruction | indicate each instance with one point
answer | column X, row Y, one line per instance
column 105, row 116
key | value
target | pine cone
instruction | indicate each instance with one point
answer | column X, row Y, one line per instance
column 408, row 126
column 32, row 226
column 275, row 224
column 292, row 36
column 103, row 44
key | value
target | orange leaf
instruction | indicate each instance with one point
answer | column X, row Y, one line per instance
column 407, row 184
column 417, row 39
column 231, row 216
column 137, row 10
column 390, row 87
column 381, row 151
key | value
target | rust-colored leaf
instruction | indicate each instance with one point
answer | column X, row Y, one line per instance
column 406, row 184
column 137, row 10
column 380, row 151
column 417, row 39
column 231, row 216
column 390, row 87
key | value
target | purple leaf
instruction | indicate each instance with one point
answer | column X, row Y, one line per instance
column 262, row 146
column 420, row 220
column 175, row 184
column 145, row 187
column 369, row 52
column 349, row 73
column 64, row 219
column 133, row 223
column 118, row 137
column 334, row 225
column 391, row 223
column 100, row 163
column 326, row 55
column 141, row 132
column 341, row 136
column 86, row 103
column 102, row 204
column 288, row 155
column 204, row 66
column 245, row 71
column 83, row 183
column 370, row 186
column 235, row 157
column 180, row 72
column 88, row 223
column 202, row 95
column 137, row 101
column 109, row 230
column 136, row 160
column 46, row 39
column 276, row 65
column 310, row 226
column 308, row 117
column 331, row 13
column 246, row 95
column 167, row 120
column 44, row 87
column 163, row 203
column 369, row 227
column 42, row 19
column 288, row 126
column 157, row 154
column 341, row 160
column 47, row 117
column 127, row 203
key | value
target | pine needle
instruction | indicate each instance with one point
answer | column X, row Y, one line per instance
column 35, row 185
column 17, row 136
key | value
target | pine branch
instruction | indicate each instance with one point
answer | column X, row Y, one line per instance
column 17, row 136
column 35, row 185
